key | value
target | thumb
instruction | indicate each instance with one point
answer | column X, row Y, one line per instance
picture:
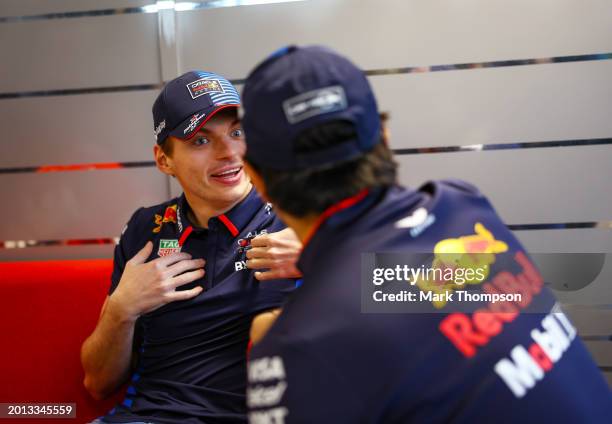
column 142, row 256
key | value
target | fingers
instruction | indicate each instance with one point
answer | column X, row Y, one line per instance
column 259, row 263
column 185, row 294
column 259, row 252
column 143, row 254
column 186, row 278
column 262, row 240
column 173, row 258
column 185, row 265
column 273, row 274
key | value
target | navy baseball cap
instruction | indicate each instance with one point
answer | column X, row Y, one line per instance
column 298, row 88
column 187, row 102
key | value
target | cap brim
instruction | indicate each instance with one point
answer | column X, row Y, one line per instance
column 186, row 129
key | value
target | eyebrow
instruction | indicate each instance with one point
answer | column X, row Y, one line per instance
column 206, row 131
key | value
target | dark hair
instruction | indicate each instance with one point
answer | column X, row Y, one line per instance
column 308, row 191
column 166, row 147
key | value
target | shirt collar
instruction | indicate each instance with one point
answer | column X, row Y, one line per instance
column 235, row 220
column 338, row 215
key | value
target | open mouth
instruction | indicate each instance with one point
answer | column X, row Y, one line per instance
column 229, row 175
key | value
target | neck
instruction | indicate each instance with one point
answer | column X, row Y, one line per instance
column 201, row 210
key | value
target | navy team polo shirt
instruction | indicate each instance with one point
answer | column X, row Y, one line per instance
column 326, row 361
column 192, row 361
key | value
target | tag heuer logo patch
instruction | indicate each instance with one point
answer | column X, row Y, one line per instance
column 202, row 86
column 168, row 247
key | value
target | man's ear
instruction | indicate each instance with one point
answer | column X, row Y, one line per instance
column 257, row 181
column 163, row 161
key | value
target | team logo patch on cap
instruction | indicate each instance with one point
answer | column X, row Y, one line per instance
column 202, row 86
column 314, row 103
column 168, row 247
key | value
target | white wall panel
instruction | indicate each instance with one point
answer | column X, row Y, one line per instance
column 77, row 129
column 395, row 33
column 65, row 205
column 503, row 105
column 38, row 7
column 527, row 186
column 75, row 53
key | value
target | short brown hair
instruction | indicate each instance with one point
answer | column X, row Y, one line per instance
column 166, row 147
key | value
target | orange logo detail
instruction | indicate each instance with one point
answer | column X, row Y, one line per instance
column 169, row 216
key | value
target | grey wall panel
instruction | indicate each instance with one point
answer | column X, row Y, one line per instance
column 602, row 352
column 77, row 129
column 58, row 253
column 591, row 322
column 75, row 53
column 527, row 186
column 584, row 240
column 76, row 204
column 38, row 7
column 596, row 294
column 503, row 105
column 394, row 33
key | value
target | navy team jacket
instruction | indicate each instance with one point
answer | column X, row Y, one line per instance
column 192, row 354
column 326, row 361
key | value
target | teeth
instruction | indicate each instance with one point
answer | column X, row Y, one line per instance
column 230, row 171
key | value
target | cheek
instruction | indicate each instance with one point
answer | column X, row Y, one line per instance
column 241, row 148
column 191, row 168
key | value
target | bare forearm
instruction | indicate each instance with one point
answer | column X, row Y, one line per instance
column 106, row 354
column 262, row 323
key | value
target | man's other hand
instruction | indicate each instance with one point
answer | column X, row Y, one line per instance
column 277, row 253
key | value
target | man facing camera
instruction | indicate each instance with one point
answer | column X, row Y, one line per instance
column 315, row 150
column 177, row 319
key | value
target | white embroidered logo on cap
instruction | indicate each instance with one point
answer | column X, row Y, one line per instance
column 159, row 129
column 193, row 123
column 314, row 103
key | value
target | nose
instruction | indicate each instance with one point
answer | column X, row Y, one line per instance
column 229, row 148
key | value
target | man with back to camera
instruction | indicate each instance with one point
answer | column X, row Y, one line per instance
column 185, row 301
column 314, row 149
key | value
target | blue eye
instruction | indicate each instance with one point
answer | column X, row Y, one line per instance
column 200, row 141
column 238, row 133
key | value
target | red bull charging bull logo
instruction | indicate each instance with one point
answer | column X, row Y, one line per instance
column 472, row 252
column 169, row 216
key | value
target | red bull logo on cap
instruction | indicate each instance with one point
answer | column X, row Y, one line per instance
column 202, row 86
